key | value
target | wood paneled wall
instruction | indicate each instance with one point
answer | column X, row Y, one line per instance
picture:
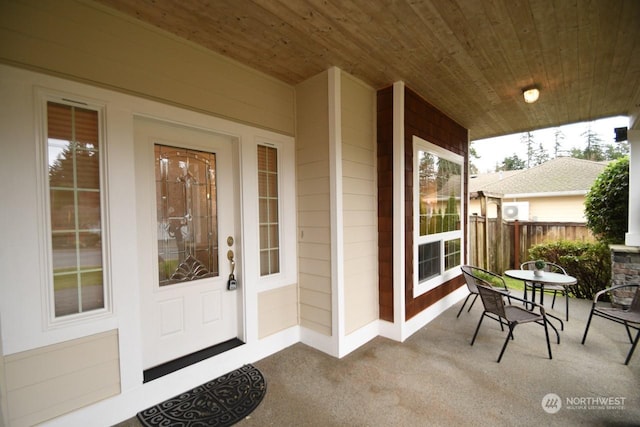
column 385, row 202
column 425, row 121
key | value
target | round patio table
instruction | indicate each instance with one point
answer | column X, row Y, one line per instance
column 538, row 282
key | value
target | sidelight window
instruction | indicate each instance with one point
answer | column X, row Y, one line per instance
column 268, row 201
column 74, row 153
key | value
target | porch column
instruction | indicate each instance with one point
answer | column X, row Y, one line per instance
column 632, row 238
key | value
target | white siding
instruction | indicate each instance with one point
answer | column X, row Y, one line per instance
column 314, row 235
column 359, row 204
column 277, row 310
column 49, row 381
column 91, row 43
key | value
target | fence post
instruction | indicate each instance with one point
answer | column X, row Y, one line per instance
column 516, row 243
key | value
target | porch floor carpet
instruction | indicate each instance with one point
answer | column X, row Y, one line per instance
column 221, row 402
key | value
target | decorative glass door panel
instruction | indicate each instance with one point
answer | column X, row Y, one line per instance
column 187, row 217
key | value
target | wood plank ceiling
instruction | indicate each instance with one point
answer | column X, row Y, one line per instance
column 469, row 58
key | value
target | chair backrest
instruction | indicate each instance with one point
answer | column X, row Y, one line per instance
column 492, row 300
column 475, row 276
column 550, row 266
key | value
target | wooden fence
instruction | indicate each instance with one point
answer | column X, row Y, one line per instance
column 499, row 247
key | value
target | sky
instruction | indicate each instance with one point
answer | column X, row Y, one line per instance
column 494, row 150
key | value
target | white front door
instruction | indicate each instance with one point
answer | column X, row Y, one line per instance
column 186, row 211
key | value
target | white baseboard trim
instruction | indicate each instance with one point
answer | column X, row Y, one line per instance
column 359, row 337
column 326, row 344
column 420, row 320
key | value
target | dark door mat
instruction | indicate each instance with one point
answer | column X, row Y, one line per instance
column 220, row 402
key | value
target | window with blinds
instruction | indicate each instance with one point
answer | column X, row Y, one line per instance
column 73, row 157
column 268, row 210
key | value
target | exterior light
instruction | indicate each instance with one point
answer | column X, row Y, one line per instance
column 531, row 95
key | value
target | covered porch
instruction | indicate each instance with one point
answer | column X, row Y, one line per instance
column 436, row 378
column 354, row 98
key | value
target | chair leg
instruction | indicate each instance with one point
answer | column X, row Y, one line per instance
column 546, row 334
column 584, row 337
column 566, row 302
column 463, row 304
column 473, row 302
column 626, row 325
column 553, row 301
column 478, row 328
column 633, row 347
column 512, row 326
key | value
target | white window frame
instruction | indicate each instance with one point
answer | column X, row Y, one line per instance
column 279, row 177
column 286, row 213
column 420, row 288
column 49, row 318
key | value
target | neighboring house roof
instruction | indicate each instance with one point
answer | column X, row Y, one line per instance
column 557, row 177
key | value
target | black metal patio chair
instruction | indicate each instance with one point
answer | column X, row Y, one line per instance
column 623, row 312
column 476, row 275
column 512, row 315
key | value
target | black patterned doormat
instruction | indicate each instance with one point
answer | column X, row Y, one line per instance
column 220, row 402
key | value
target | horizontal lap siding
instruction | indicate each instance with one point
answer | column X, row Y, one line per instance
column 359, row 203
column 91, row 43
column 277, row 310
column 314, row 219
column 50, row 381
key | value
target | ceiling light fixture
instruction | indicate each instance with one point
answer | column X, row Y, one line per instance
column 531, row 95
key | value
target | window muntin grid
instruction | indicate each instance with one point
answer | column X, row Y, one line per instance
column 187, row 220
column 437, row 211
column 73, row 157
column 268, row 214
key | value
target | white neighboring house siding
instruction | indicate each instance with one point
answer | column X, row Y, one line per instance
column 560, row 208
column 86, row 42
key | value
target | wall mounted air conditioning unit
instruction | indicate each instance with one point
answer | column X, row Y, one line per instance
column 515, row 210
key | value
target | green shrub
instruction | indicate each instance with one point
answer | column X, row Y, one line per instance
column 606, row 205
column 590, row 263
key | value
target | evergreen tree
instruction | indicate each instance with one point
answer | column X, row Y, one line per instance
column 512, row 163
column 473, row 155
column 527, row 139
column 451, row 217
column 617, row 150
column 558, row 138
column 593, row 150
column 540, row 155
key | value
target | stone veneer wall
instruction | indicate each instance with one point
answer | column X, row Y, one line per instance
column 625, row 265
column 625, row 270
